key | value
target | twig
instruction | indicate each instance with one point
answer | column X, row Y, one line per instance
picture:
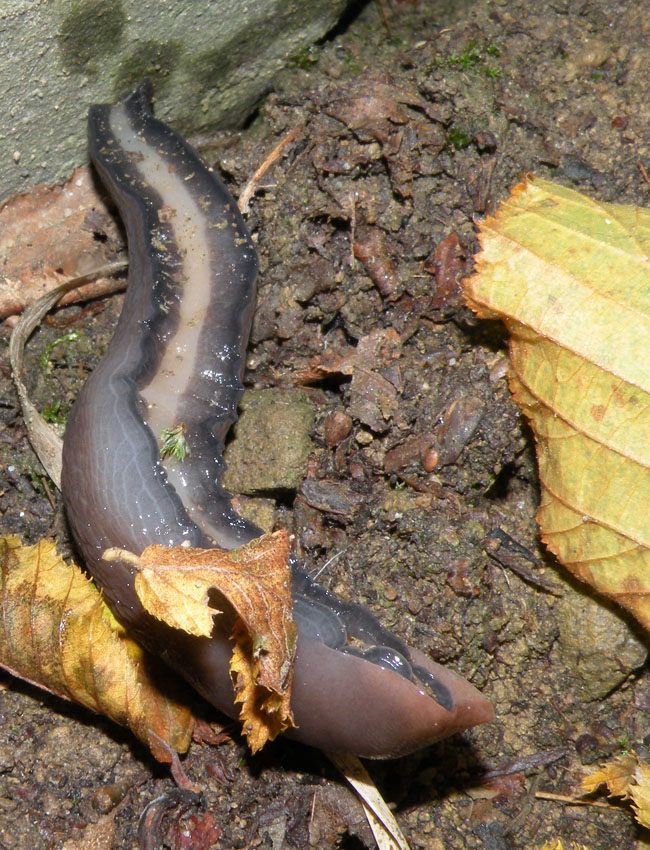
column 574, row 801
column 251, row 186
column 46, row 442
column 531, row 762
column 95, row 284
column 508, row 553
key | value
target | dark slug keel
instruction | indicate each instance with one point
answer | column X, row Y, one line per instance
column 176, row 360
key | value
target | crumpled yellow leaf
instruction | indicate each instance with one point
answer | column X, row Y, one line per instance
column 57, row 633
column 265, row 710
column 175, row 586
column 617, row 774
column 640, row 794
column 570, row 278
column 556, row 844
column 625, row 776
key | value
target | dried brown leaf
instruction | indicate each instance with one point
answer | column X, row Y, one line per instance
column 617, row 775
column 48, row 234
column 175, row 586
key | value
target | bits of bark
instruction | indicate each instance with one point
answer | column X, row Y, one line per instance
column 411, row 450
column 372, row 250
column 336, row 428
column 530, row 762
column 108, row 796
column 373, row 113
column 588, row 748
column 151, row 819
column 457, row 578
column 369, row 116
column 486, row 141
column 334, row 813
column 459, row 423
column 198, row 832
column 218, row 770
column 374, row 351
column 374, row 400
column 478, row 180
column 331, row 497
column 430, row 460
column 642, row 700
column 447, row 262
column 356, row 470
column 511, row 555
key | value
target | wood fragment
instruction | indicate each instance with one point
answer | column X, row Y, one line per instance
column 251, row 186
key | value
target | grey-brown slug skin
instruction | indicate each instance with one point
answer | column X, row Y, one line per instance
column 177, row 359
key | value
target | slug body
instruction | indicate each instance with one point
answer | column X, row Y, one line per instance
column 176, row 362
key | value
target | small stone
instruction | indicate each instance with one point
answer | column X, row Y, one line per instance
column 593, row 54
column 337, row 427
column 272, row 442
column 414, row 605
column 598, row 647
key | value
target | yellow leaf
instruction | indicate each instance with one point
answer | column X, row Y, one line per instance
column 556, row 844
column 627, row 777
column 57, row 633
column 617, row 775
column 570, row 278
column 176, row 586
column 264, row 712
column 640, row 793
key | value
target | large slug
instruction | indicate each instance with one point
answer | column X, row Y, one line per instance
column 177, row 356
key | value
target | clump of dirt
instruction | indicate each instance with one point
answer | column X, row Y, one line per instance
column 419, row 495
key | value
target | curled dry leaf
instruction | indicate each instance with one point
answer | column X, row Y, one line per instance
column 617, row 774
column 58, row 634
column 175, row 586
column 570, row 278
column 45, row 441
column 627, row 777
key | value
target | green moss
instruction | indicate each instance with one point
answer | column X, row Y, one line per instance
column 90, row 30
column 458, row 137
column 53, row 413
column 46, row 365
column 174, row 443
column 306, row 57
column 153, row 59
column 475, row 56
column 470, row 56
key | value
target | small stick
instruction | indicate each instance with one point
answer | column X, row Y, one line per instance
column 574, row 801
column 251, row 186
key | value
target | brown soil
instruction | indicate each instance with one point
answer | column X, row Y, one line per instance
column 417, row 118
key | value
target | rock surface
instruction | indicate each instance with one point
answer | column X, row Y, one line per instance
column 210, row 62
